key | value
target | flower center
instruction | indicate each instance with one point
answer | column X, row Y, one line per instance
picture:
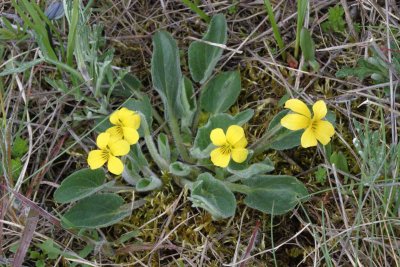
column 119, row 130
column 313, row 124
column 226, row 149
column 105, row 154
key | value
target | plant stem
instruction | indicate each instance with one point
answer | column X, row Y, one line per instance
column 182, row 182
column 197, row 10
column 176, row 134
column 244, row 189
column 265, row 141
column 161, row 163
column 275, row 28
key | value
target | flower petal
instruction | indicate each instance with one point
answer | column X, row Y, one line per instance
column 115, row 165
column 298, row 106
column 131, row 120
column 234, row 134
column 242, row 143
column 324, row 131
column 220, row 159
column 218, row 137
column 239, row 154
column 116, row 133
column 102, row 140
column 319, row 109
column 114, row 118
column 308, row 138
column 295, row 122
column 130, row 135
column 124, row 113
column 97, row 158
column 119, row 148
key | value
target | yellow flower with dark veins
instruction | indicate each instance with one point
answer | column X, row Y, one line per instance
column 126, row 124
column 316, row 129
column 230, row 145
column 108, row 152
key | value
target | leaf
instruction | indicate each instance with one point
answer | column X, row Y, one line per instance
column 180, row 169
column 340, row 161
column 202, row 56
column 335, row 20
column 96, row 211
column 51, row 249
column 221, row 92
column 214, row 196
column 126, row 237
column 34, row 18
column 320, row 175
column 137, row 155
column 127, row 86
column 134, row 164
column 79, row 185
column 274, row 194
column 362, row 70
column 19, row 147
column 307, row 45
column 202, row 144
column 284, row 138
column 308, row 48
column 148, row 184
column 16, row 167
column 73, row 20
column 189, row 103
column 22, row 67
column 166, row 71
column 252, row 170
column 163, row 147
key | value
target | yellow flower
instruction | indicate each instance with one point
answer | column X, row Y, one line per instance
column 108, row 152
column 126, row 124
column 315, row 127
column 230, row 145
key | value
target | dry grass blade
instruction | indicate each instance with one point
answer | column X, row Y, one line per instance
column 26, row 238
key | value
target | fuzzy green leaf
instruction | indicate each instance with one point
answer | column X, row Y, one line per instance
column 339, row 159
column 180, row 169
column 249, row 171
column 163, row 147
column 203, row 57
column 221, row 92
column 80, row 184
column 96, row 211
column 274, row 194
column 148, row 184
column 307, row 45
column 189, row 103
column 166, row 71
column 214, row 196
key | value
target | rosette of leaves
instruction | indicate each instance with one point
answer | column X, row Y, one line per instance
column 182, row 149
